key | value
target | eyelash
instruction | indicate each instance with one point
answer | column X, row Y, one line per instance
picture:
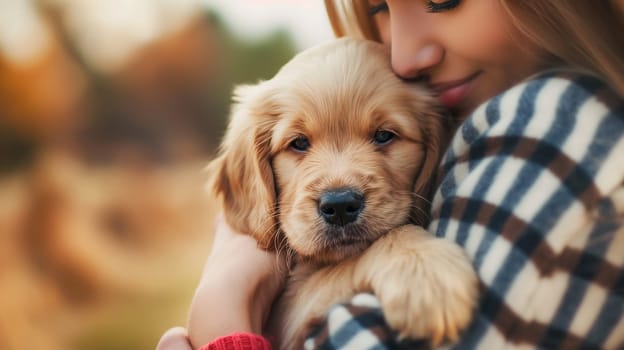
column 443, row 6
column 433, row 7
column 375, row 9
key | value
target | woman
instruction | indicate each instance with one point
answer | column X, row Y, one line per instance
column 533, row 185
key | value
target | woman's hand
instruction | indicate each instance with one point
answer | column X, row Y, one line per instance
column 174, row 339
column 238, row 286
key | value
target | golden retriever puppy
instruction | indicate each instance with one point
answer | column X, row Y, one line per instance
column 332, row 161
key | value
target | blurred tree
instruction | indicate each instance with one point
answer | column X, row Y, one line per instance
column 169, row 101
column 178, row 90
column 242, row 62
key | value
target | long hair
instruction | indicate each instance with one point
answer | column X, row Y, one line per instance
column 583, row 35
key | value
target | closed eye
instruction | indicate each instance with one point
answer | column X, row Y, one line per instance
column 375, row 9
column 433, row 6
column 441, row 6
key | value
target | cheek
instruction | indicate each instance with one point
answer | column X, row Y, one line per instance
column 477, row 30
column 383, row 28
column 293, row 178
column 494, row 42
column 403, row 163
column 481, row 40
column 285, row 169
column 296, row 212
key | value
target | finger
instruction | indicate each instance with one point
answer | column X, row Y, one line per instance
column 174, row 339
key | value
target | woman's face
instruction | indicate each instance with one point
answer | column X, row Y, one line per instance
column 468, row 50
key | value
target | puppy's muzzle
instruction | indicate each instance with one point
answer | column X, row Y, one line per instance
column 340, row 206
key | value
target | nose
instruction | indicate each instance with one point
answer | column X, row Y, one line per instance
column 340, row 207
column 415, row 47
column 410, row 63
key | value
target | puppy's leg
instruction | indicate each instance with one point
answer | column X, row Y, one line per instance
column 426, row 286
column 309, row 295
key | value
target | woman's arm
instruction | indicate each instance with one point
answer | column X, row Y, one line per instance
column 237, row 288
column 530, row 191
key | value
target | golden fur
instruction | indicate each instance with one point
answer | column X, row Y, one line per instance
column 338, row 96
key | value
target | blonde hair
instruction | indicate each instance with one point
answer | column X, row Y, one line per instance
column 578, row 34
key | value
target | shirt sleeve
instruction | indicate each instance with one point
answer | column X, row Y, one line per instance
column 533, row 191
column 239, row 341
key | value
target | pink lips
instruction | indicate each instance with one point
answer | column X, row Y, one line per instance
column 453, row 93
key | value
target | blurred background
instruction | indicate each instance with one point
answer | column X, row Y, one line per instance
column 109, row 111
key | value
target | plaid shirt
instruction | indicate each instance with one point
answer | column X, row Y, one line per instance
column 533, row 190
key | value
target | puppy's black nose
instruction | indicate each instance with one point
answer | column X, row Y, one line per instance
column 341, row 207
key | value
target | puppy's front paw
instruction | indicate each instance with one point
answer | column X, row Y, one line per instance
column 426, row 286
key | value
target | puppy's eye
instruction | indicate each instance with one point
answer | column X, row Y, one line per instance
column 383, row 137
column 300, row 144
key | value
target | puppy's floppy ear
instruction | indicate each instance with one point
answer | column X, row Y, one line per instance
column 436, row 127
column 241, row 173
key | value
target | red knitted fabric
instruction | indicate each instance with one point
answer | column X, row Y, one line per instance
column 238, row 341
